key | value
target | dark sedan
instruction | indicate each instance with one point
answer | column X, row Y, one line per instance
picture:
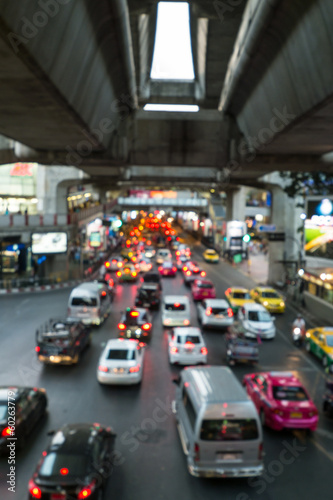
column 76, row 464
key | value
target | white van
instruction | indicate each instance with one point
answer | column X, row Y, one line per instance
column 218, row 424
column 89, row 303
column 176, row 310
column 163, row 255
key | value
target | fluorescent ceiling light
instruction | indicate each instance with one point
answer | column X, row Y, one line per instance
column 172, row 59
column 189, row 108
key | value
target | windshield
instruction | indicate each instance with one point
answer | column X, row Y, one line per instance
column 289, row 393
column 3, row 411
column 270, row 295
column 241, row 295
column 262, row 316
column 54, row 462
column 175, row 307
column 124, row 354
column 183, row 339
column 229, row 430
column 84, row 301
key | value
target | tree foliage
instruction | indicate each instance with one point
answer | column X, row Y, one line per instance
column 307, row 183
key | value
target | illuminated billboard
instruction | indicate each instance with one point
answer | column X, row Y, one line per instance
column 48, row 243
column 318, row 229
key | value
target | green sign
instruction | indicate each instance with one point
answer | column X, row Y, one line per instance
column 237, row 258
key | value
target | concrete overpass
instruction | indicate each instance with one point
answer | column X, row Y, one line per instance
column 75, row 78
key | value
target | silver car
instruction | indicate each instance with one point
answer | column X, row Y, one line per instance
column 187, row 346
column 215, row 313
column 121, row 362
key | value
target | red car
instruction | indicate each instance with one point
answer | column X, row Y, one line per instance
column 203, row 289
column 281, row 400
column 168, row 268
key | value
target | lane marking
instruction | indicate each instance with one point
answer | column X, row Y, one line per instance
column 322, row 449
column 324, row 433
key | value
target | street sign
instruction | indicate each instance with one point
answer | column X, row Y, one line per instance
column 276, row 236
column 267, row 228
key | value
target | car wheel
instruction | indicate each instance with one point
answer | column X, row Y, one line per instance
column 308, row 347
column 324, row 361
column 262, row 418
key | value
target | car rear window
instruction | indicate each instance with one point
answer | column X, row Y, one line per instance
column 219, row 310
column 270, row 295
column 200, row 284
column 289, row 393
column 259, row 316
column 175, row 307
column 229, row 430
column 84, row 301
column 3, row 411
column 124, row 354
column 54, row 462
column 167, row 264
column 193, row 339
column 241, row 295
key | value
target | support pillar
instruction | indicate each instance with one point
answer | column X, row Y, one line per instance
column 235, row 208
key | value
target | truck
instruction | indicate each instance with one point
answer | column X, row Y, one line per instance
column 233, row 242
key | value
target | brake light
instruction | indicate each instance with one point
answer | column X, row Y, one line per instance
column 204, row 350
column 119, row 264
column 189, row 344
column 107, row 264
column 188, row 273
column 6, row 432
column 102, row 368
column 64, row 471
column 203, row 274
column 127, row 270
column 185, row 268
column 118, row 273
column 228, row 291
column 37, row 348
column 260, row 451
column 134, row 369
column 176, row 304
column 186, row 322
column 111, row 282
column 134, row 314
column 134, row 273
column 160, row 269
column 103, row 293
column 146, row 326
column 174, row 269
column 196, row 452
column 121, row 326
column 34, row 491
column 174, row 350
column 209, row 311
column 87, row 490
column 230, row 312
column 177, row 253
column 167, row 321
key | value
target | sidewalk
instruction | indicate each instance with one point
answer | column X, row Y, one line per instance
column 256, row 268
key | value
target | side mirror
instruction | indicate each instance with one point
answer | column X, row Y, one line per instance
column 176, row 381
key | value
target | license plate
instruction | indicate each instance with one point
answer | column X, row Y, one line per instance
column 219, row 316
column 204, row 294
column 227, row 456
column 146, row 304
column 58, row 496
column 296, row 415
column 119, row 370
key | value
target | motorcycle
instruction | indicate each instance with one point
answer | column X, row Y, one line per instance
column 297, row 336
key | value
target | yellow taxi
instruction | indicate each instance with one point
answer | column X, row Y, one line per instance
column 319, row 341
column 237, row 297
column 269, row 298
column 210, row 255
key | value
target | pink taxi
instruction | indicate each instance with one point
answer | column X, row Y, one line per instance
column 203, row 289
column 281, row 400
column 168, row 268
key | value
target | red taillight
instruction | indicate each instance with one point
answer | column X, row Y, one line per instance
column 177, row 253
column 134, row 314
column 176, row 304
column 121, row 326
column 174, row 350
column 134, row 369
column 111, row 282
column 228, row 291
column 188, row 273
column 230, row 312
column 261, row 451
column 146, row 326
column 6, row 432
column 102, row 368
column 174, row 269
column 186, row 322
column 196, row 452
column 103, row 293
column 189, row 344
column 209, row 311
column 185, row 268
column 118, row 273
column 37, row 348
column 64, row 471
column 34, row 491
column 160, row 269
column 204, row 350
column 107, row 264
column 134, row 273
column 87, row 491
column 203, row 274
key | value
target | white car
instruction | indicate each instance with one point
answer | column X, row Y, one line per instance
column 187, row 346
column 149, row 252
column 215, row 313
column 115, row 262
column 176, row 310
column 256, row 320
column 163, row 255
column 121, row 362
column 144, row 265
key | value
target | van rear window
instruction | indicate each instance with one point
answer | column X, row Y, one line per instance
column 84, row 301
column 229, row 430
column 175, row 307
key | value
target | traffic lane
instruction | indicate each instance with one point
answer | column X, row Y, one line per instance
column 75, row 395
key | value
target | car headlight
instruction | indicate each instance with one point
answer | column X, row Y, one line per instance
column 265, row 303
column 282, row 304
